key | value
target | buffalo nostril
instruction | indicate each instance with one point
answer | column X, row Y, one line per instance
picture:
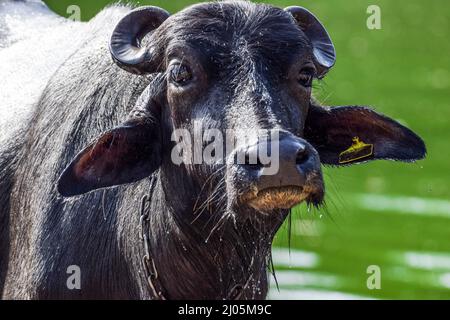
column 302, row 156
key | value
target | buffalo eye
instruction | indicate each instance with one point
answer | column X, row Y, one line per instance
column 180, row 74
column 305, row 77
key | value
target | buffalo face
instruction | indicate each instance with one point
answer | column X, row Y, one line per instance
column 240, row 72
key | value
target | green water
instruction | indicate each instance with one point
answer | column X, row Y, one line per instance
column 392, row 215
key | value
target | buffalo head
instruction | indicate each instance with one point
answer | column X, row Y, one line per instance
column 236, row 69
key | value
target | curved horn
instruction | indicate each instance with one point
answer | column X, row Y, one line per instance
column 323, row 47
column 126, row 39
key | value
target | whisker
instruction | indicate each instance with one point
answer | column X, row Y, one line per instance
column 218, row 225
column 204, row 185
column 209, row 201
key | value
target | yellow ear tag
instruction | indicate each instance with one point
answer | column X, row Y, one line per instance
column 358, row 150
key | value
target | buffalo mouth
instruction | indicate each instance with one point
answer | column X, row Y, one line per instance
column 284, row 197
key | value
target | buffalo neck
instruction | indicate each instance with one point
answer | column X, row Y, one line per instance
column 209, row 257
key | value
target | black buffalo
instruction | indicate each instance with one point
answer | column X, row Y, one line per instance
column 106, row 118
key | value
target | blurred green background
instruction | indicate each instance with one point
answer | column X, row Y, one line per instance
column 392, row 215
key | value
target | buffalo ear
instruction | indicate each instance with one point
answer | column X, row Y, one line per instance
column 353, row 134
column 125, row 154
